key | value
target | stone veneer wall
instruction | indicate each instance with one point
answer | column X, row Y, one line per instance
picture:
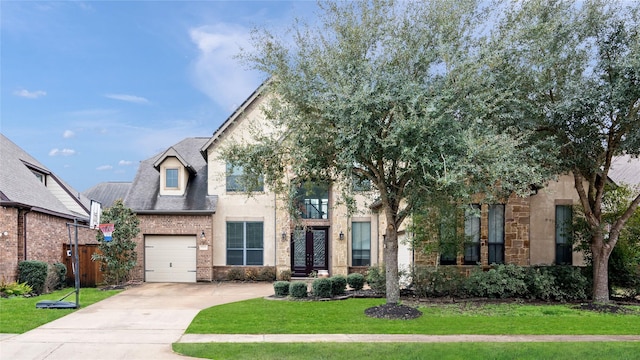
column 45, row 238
column 177, row 225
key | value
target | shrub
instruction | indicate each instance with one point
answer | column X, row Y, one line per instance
column 338, row 284
column 570, row 283
column 377, row 279
column 285, row 275
column 541, row 283
column 267, row 274
column 322, row 287
column 34, row 273
column 281, row 288
column 56, row 277
column 438, row 281
column 356, row 281
column 298, row 289
column 251, row 274
column 503, row 281
column 15, row 288
column 235, row 274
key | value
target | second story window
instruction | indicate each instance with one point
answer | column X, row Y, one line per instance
column 313, row 201
column 235, row 181
column 171, row 178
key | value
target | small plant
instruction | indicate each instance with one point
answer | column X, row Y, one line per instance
column 377, row 279
column 33, row 273
column 281, row 288
column 267, row 273
column 322, row 288
column 298, row 289
column 338, row 284
column 313, row 274
column 250, row 274
column 235, row 274
column 285, row 275
column 356, row 281
column 15, row 288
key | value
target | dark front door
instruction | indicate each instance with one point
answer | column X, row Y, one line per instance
column 309, row 251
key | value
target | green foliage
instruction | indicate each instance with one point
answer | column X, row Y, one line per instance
column 355, row 281
column 118, row 256
column 267, row 273
column 236, row 274
column 285, row 275
column 56, row 277
column 322, row 287
column 440, row 281
column 281, row 288
column 34, row 273
column 298, row 289
column 377, row 279
column 338, row 284
column 15, row 288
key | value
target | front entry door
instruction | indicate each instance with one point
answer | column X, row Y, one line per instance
column 309, row 249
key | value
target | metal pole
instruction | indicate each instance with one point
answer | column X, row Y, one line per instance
column 76, row 259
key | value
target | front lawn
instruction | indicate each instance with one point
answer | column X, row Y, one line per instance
column 19, row 315
column 261, row 316
column 440, row 351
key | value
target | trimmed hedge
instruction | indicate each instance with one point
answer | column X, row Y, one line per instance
column 338, row 285
column 322, row 287
column 34, row 273
column 298, row 289
column 281, row 288
column 355, row 281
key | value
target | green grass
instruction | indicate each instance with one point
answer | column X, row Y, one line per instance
column 19, row 315
column 260, row 316
column 440, row 351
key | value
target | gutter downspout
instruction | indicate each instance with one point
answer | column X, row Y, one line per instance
column 24, row 232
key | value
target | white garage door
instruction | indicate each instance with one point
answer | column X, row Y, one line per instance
column 170, row 258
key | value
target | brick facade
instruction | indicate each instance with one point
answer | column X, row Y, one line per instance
column 35, row 236
column 177, row 225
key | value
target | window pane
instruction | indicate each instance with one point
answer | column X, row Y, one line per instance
column 314, row 201
column 564, row 236
column 496, row 234
column 234, row 257
column 361, row 243
column 171, row 178
column 254, row 257
column 235, row 235
column 472, row 234
column 234, row 179
column 254, row 235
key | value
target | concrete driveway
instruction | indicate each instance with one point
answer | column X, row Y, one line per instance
column 139, row 323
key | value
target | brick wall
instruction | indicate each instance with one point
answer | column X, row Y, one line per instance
column 177, row 225
column 45, row 237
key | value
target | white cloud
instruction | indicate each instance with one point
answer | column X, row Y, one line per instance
column 29, row 94
column 61, row 152
column 68, row 134
column 104, row 167
column 216, row 72
column 128, row 98
column 125, row 162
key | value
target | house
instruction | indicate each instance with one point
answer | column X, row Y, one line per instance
column 198, row 223
column 36, row 207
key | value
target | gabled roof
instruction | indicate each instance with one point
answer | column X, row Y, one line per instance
column 107, row 193
column 19, row 186
column 231, row 119
column 172, row 152
column 625, row 170
column 144, row 194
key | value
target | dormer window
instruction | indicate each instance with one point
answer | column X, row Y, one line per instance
column 40, row 176
column 171, row 178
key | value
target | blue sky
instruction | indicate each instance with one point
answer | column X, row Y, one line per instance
column 92, row 88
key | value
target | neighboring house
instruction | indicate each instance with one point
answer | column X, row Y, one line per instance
column 35, row 208
column 108, row 192
column 197, row 221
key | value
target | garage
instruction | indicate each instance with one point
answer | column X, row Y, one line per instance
column 170, row 258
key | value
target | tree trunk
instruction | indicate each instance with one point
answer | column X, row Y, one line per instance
column 600, row 252
column 390, row 257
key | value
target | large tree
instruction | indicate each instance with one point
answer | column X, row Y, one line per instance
column 386, row 93
column 573, row 72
